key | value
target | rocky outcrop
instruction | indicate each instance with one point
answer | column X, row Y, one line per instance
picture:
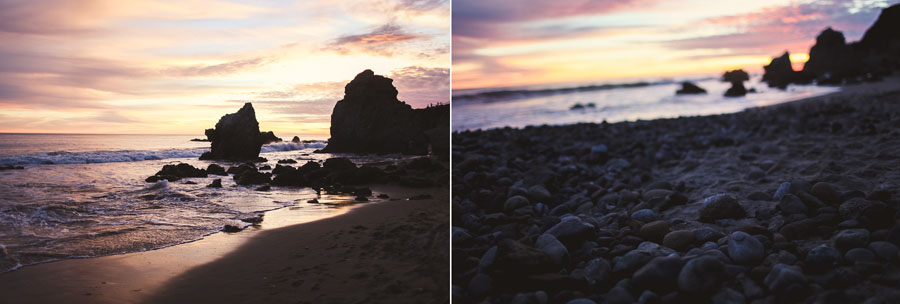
column 779, row 73
column 736, row 78
column 370, row 119
column 237, row 137
column 880, row 45
column 688, row 87
column 269, row 137
column 295, row 140
column 831, row 59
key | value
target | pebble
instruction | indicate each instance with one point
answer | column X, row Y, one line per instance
column 782, row 276
column 514, row 203
column 654, row 231
column 581, row 301
column 557, row 252
column 791, row 204
column 660, row 274
column 885, row 250
column 759, row 196
column 571, row 229
column 597, row 271
column 720, row 206
column 859, row 255
column 479, row 286
column 618, row 295
column 706, row 234
column 701, row 275
column 729, row 296
column 679, row 240
column 822, row 257
column 538, row 193
column 744, row 248
column 537, row 297
column 644, row 216
column 851, row 238
column 783, row 189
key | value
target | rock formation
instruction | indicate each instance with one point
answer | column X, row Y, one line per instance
column 370, row 119
column 736, row 78
column 688, row 87
column 295, row 140
column 831, row 59
column 779, row 73
column 237, row 137
column 269, row 137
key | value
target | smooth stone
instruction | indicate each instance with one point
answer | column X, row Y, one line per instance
column 654, row 231
column 581, row 301
column 782, row 276
column 791, row 204
column 706, row 234
column 487, row 259
column 851, row 238
column 644, row 216
column 514, row 203
column 679, row 240
column 539, row 194
column 759, row 196
column 721, row 206
column 783, row 189
column 537, row 297
column 597, row 271
column 660, row 274
column 571, row 229
column 701, row 275
column 885, row 250
column 618, row 295
column 859, row 255
column 549, row 245
column 744, row 248
column 822, row 257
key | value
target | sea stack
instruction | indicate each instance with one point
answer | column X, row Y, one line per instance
column 370, row 119
column 236, row 136
column 736, row 78
column 831, row 59
column 779, row 73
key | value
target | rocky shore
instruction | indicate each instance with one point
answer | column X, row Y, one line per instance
column 789, row 203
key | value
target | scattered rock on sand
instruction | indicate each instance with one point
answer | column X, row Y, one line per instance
column 701, row 275
column 744, row 248
column 720, row 206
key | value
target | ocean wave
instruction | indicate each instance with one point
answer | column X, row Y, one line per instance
column 91, row 157
column 510, row 94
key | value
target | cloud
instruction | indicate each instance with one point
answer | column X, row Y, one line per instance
column 486, row 19
column 420, row 5
column 420, row 86
column 222, row 68
column 380, row 41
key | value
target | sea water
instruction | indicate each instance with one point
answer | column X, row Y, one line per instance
column 621, row 101
column 85, row 195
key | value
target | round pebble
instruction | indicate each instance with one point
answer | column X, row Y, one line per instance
column 744, row 248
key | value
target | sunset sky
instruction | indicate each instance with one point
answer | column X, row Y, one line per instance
column 175, row 67
column 516, row 42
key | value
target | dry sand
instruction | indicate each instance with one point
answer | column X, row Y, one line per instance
column 383, row 252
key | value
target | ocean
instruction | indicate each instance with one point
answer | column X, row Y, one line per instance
column 85, row 195
column 555, row 104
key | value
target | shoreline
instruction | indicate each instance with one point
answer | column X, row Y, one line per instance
column 602, row 211
column 133, row 277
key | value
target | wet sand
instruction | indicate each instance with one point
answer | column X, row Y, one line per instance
column 388, row 251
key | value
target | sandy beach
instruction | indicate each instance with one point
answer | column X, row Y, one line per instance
column 786, row 203
column 391, row 251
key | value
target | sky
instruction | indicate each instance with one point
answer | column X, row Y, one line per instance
column 175, row 67
column 504, row 43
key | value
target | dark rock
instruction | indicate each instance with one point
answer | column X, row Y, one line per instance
column 782, row 277
column 821, row 258
column 338, row 164
column 181, row 170
column 216, row 183
column 660, row 274
column 295, row 140
column 759, row 196
column 720, row 206
column 655, row 231
column 11, row 167
column 779, row 73
column 370, row 119
column 571, row 230
column 514, row 203
column 597, row 272
column 701, row 275
column 728, row 295
column 230, row 228
column 679, row 240
column 538, row 193
column 480, row 286
column 830, row 59
column 798, row 229
column 644, row 216
column 744, row 248
column 236, row 136
column 263, row 188
column 706, row 234
column 618, row 295
column 269, row 137
column 549, row 245
column 216, row 170
column 287, row 161
column 783, row 189
column 885, row 250
column 736, row 78
column 688, row 87
column 252, row 177
column 851, row 238
column 791, row 204
column 859, row 255
column 515, row 258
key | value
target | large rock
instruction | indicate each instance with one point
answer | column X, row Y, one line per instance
column 236, row 136
column 779, row 73
column 370, row 119
column 688, row 87
column 830, row 59
column 736, row 78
